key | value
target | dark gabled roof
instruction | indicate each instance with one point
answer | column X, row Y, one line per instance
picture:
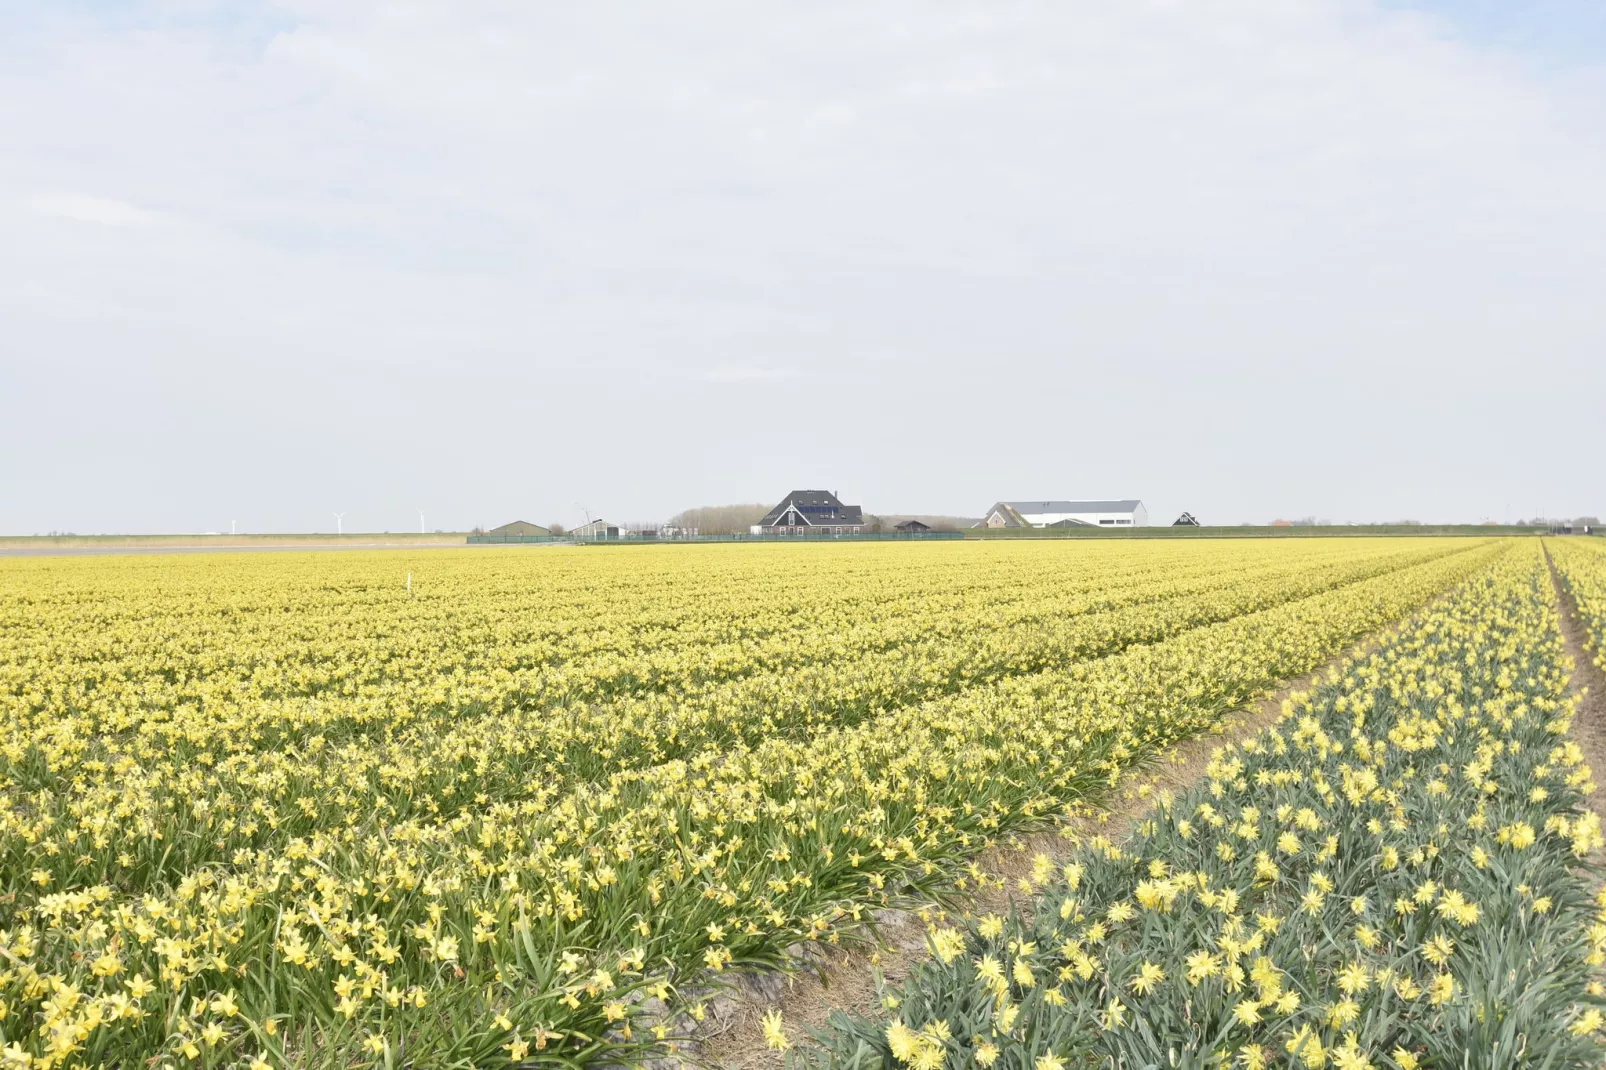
column 817, row 507
column 913, row 525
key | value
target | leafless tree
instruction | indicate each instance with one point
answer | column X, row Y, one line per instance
column 720, row 519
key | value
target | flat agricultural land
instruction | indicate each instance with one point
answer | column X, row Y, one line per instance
column 43, row 545
column 1255, row 531
column 470, row 808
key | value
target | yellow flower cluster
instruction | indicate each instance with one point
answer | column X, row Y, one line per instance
column 1391, row 877
column 1581, row 566
column 282, row 809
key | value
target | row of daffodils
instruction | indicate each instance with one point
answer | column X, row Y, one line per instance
column 1581, row 566
column 157, row 710
column 1392, row 876
column 280, row 810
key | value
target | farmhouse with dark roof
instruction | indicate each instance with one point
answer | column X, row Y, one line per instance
column 811, row 512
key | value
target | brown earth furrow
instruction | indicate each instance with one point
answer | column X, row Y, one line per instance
column 1588, row 683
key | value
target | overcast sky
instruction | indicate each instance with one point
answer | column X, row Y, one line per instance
column 1249, row 258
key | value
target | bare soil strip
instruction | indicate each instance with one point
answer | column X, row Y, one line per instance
column 731, row 1036
column 1589, row 683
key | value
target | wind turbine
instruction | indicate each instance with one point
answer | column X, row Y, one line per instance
column 338, row 518
column 421, row 521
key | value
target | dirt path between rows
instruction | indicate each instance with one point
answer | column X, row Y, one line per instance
column 1589, row 683
column 732, row 1035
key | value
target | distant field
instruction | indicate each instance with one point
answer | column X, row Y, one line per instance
column 25, row 544
column 1255, row 531
column 31, row 545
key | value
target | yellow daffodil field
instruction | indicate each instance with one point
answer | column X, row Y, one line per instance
column 1581, row 568
column 1391, row 876
column 525, row 806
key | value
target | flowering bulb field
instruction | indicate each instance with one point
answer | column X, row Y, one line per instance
column 285, row 810
column 1389, row 877
column 1581, row 566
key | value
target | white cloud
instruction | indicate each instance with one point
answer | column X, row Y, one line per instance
column 1193, row 229
column 746, row 375
column 83, row 208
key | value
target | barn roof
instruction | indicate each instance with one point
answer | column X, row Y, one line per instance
column 520, row 527
column 1125, row 505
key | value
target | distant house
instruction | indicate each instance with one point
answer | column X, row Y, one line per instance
column 596, row 529
column 811, row 512
column 910, row 527
column 1186, row 520
column 520, row 527
column 1052, row 514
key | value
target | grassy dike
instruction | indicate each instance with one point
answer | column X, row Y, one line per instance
column 23, row 544
column 1255, row 531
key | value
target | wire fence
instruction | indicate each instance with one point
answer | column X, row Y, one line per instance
column 646, row 539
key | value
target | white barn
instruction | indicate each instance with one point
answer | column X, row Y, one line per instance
column 1126, row 513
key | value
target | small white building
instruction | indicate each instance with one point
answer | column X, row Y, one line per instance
column 1127, row 513
column 595, row 529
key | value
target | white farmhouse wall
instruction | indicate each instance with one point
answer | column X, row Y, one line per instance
column 1137, row 518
